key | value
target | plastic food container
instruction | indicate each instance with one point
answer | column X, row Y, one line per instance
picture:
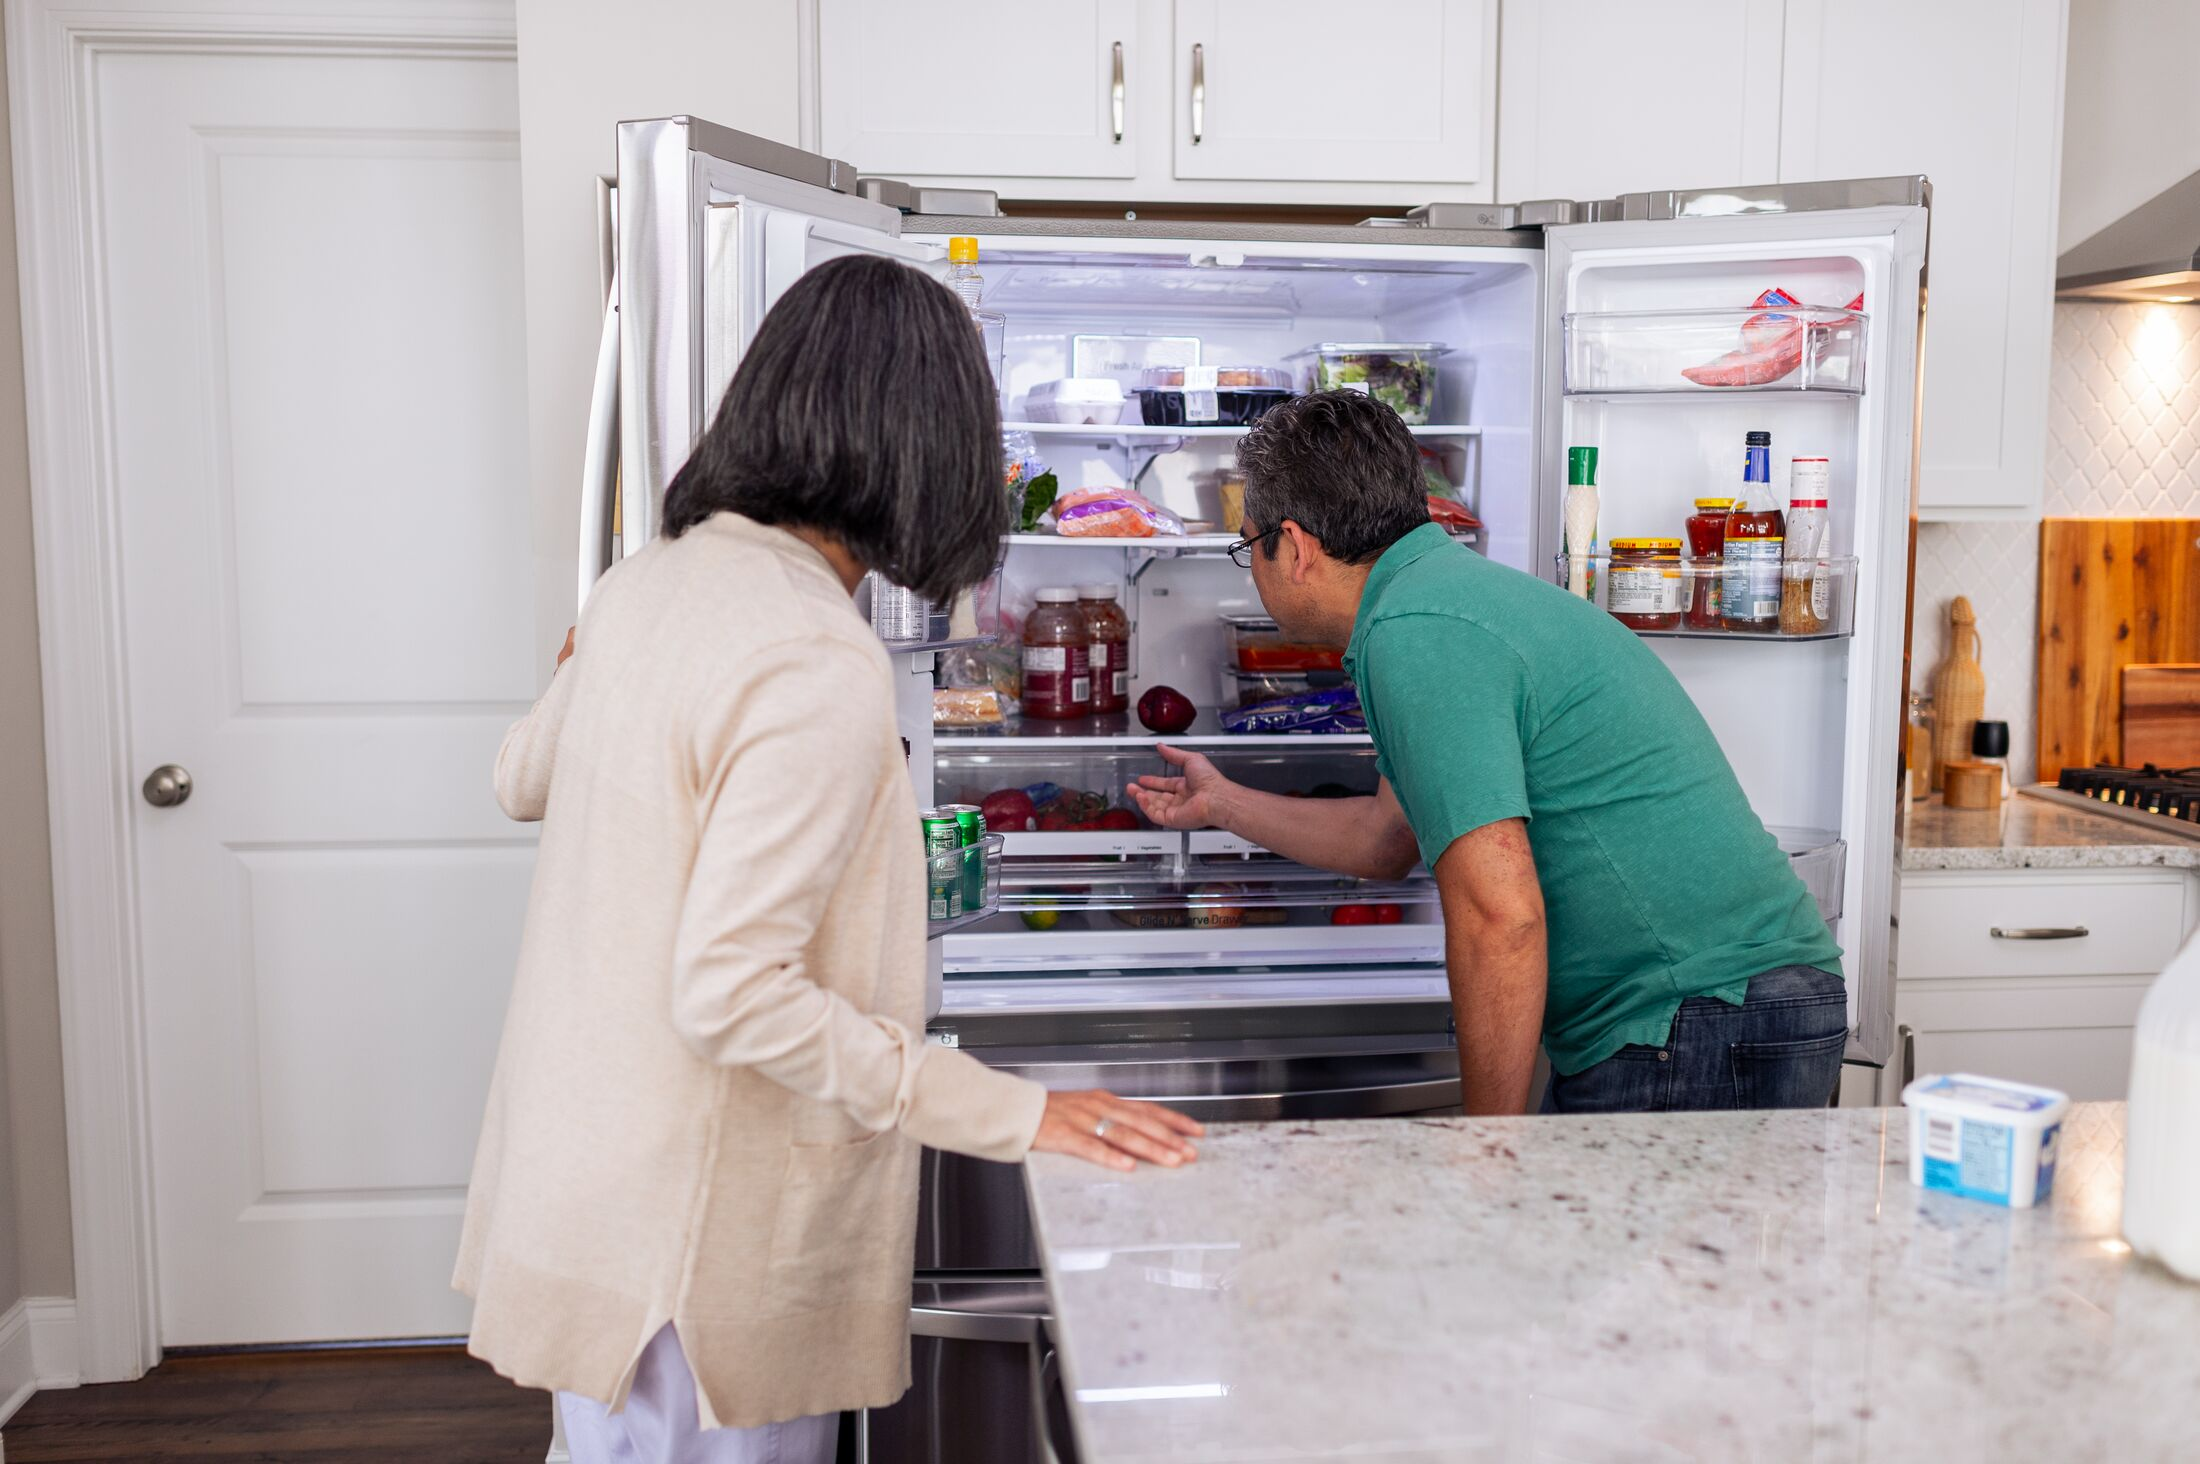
column 1251, row 688
column 1086, row 400
column 1399, row 374
column 1984, row 1138
column 1257, row 645
column 1210, row 396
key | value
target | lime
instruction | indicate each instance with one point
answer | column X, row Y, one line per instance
column 1041, row 919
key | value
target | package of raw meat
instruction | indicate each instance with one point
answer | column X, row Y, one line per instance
column 1110, row 513
column 1773, row 344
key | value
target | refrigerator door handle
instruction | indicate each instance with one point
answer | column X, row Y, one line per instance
column 600, row 464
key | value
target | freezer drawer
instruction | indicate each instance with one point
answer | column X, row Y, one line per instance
column 981, row 1371
column 972, row 1213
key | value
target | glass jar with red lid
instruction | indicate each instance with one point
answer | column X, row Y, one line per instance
column 1707, row 555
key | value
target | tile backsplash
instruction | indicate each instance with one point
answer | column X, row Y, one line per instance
column 2123, row 440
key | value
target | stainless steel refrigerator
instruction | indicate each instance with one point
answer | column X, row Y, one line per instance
column 1190, row 967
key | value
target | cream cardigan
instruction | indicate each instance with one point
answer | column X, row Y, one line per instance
column 713, row 1080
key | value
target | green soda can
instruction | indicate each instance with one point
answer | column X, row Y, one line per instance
column 970, row 822
column 943, row 876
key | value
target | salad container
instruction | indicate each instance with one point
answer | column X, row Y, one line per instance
column 1399, row 374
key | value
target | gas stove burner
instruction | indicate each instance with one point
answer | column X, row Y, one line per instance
column 2168, row 798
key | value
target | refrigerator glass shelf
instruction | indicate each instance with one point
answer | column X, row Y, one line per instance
column 1829, row 615
column 1720, row 352
column 1121, row 729
column 1140, row 432
column 962, row 887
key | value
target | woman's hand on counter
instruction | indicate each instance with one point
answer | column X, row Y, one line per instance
column 1116, row 1132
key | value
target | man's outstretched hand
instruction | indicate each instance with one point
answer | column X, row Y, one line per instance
column 1191, row 800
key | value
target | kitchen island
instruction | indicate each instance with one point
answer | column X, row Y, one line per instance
column 1729, row 1286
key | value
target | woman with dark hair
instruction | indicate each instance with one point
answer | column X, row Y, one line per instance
column 694, row 1203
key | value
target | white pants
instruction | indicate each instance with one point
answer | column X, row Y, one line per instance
column 657, row 1426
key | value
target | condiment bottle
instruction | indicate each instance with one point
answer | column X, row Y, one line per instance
column 1756, row 533
column 1108, row 639
column 1706, row 555
column 1806, row 588
column 1057, row 665
column 1581, row 520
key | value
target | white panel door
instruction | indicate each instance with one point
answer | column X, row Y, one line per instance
column 990, row 87
column 1602, row 97
column 311, row 281
column 1384, row 91
column 1968, row 92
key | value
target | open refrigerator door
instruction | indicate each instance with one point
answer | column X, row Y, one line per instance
column 1679, row 331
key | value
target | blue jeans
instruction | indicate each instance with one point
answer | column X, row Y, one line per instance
column 1780, row 1049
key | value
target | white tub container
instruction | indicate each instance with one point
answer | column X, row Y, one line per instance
column 1984, row 1138
column 1076, row 400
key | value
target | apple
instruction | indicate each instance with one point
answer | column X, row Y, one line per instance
column 1166, row 710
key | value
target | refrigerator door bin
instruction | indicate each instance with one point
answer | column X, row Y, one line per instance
column 962, row 886
column 1821, row 860
column 1821, row 605
column 1811, row 348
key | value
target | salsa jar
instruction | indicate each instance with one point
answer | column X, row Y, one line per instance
column 1645, row 588
column 1108, row 642
column 1706, row 541
column 1057, row 658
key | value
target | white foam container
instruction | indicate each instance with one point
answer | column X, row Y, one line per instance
column 1984, row 1138
column 1081, row 400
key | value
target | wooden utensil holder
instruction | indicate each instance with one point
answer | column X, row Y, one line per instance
column 1970, row 784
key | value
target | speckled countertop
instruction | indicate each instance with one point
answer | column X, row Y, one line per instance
column 1705, row 1287
column 2032, row 833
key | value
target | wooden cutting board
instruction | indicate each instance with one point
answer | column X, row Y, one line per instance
column 2114, row 592
column 2162, row 716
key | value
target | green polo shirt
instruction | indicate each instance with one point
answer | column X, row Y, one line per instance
column 1493, row 695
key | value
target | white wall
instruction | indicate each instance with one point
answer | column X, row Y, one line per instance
column 34, row 1227
column 584, row 66
column 2131, row 114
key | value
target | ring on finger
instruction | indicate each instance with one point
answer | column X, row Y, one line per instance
column 1100, row 1129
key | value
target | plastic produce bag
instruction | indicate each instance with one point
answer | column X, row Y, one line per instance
column 1334, row 710
column 1110, row 513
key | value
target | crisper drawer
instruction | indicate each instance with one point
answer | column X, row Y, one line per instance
column 2022, row 924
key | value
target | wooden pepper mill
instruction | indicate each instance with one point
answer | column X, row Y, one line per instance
column 1959, row 690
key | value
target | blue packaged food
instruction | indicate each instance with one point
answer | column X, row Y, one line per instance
column 1336, row 710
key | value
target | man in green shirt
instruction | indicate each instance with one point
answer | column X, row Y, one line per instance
column 1605, row 885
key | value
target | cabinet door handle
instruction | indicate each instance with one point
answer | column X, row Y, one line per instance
column 2040, row 932
column 1115, row 93
column 1907, row 1036
column 1199, row 93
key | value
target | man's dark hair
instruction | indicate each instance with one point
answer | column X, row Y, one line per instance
column 863, row 409
column 1342, row 467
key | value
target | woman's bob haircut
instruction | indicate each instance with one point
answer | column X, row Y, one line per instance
column 864, row 410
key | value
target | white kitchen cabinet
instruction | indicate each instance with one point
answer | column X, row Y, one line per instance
column 1975, row 991
column 995, row 87
column 1602, row 97
column 1385, row 91
column 1390, row 102
column 1968, row 92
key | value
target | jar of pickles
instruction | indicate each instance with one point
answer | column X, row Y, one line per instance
column 1645, row 592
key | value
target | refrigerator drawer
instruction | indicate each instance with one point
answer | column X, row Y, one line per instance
column 2021, row 924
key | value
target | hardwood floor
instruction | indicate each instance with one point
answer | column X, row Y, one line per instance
column 433, row 1405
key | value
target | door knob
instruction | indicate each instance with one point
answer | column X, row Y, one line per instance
column 167, row 785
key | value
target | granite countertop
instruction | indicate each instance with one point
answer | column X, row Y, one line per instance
column 2032, row 833
column 1706, row 1287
